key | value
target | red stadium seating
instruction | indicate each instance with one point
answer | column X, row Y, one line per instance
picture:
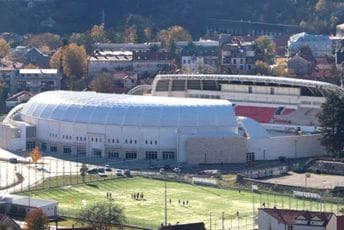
column 260, row 114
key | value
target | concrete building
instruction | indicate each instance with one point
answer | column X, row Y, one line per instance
column 151, row 62
column 238, row 56
column 282, row 219
column 321, row 45
column 126, row 127
column 17, row 205
column 109, row 61
column 197, row 58
column 35, row 80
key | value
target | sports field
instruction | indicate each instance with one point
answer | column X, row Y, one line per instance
column 204, row 203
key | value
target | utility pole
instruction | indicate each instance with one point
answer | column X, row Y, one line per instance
column 223, row 220
column 165, row 203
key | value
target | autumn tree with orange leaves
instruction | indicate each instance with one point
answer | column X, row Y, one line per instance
column 36, row 220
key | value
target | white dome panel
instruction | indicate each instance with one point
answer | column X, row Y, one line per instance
column 128, row 110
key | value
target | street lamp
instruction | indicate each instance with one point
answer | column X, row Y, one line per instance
column 307, row 175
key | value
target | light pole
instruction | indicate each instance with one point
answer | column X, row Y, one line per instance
column 307, row 175
column 165, row 203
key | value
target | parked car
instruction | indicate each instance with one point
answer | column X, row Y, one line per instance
column 119, row 172
column 177, row 170
column 92, row 171
column 13, row 160
column 162, row 171
column 107, row 168
column 102, row 172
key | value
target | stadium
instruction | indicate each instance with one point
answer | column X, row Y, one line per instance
column 267, row 99
column 127, row 127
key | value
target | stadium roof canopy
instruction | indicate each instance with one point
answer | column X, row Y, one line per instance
column 128, row 110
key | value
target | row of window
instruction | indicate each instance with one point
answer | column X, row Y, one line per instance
column 81, row 151
column 109, row 140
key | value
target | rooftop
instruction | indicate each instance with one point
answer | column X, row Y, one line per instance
column 291, row 217
column 38, row 71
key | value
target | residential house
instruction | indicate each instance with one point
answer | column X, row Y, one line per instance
column 151, row 62
column 299, row 66
column 17, row 99
column 340, row 222
column 35, row 80
column 110, row 61
column 18, row 206
column 340, row 30
column 36, row 57
column 200, row 59
column 284, row 219
column 8, row 223
column 238, row 56
column 320, row 45
column 124, row 81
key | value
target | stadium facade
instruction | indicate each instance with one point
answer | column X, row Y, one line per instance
column 126, row 127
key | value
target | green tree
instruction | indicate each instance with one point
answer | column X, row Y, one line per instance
column 36, row 220
column 72, row 61
column 265, row 49
column 102, row 83
column 4, row 48
column 261, row 68
column 173, row 34
column 331, row 120
column 101, row 216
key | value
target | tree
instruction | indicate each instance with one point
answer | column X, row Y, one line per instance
column 306, row 52
column 36, row 154
column 83, row 171
column 52, row 41
column 265, row 49
column 98, row 34
column 101, row 216
column 102, row 83
column 4, row 48
column 262, row 68
column 173, row 34
column 36, row 220
column 3, row 96
column 331, row 120
column 72, row 61
column 279, row 69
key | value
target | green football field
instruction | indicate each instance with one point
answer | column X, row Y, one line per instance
column 210, row 205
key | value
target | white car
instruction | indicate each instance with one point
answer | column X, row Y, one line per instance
column 101, row 172
column 177, row 170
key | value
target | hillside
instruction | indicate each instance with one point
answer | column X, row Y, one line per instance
column 79, row 15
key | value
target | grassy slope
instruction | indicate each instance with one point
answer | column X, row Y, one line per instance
column 150, row 212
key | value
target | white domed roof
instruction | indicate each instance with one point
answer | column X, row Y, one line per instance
column 120, row 109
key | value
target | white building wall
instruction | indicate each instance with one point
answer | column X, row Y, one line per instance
column 267, row 222
column 50, row 210
column 287, row 146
